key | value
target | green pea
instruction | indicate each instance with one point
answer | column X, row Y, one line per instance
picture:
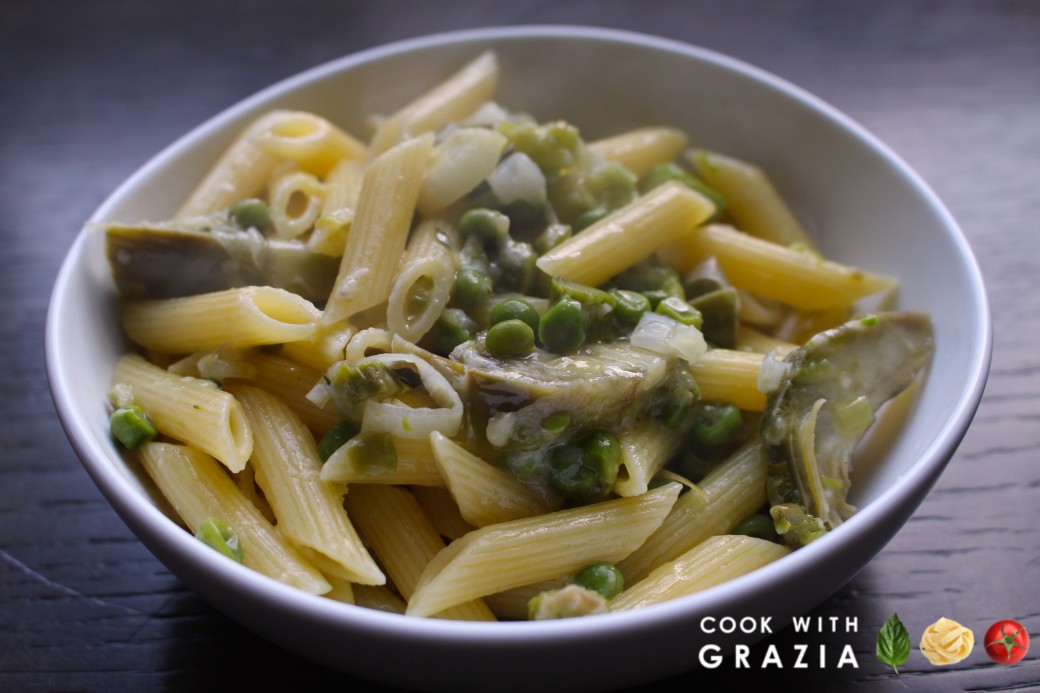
column 489, row 225
column 585, row 472
column 131, row 426
column 759, row 526
column 716, row 424
column 680, row 311
column 452, row 328
column 663, row 173
column 472, row 287
column 552, row 236
column 215, row 534
column 336, row 438
column 250, row 213
column 601, row 577
column 629, row 307
column 509, row 338
column 515, row 309
column 562, row 328
column 602, row 452
column 515, row 263
column 589, row 217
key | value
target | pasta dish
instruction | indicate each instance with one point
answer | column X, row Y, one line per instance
column 477, row 367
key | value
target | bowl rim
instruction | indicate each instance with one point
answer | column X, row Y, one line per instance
column 138, row 512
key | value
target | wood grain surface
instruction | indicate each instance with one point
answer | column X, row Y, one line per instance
column 91, row 90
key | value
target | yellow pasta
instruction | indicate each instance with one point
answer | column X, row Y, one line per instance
column 377, row 237
column 485, row 494
column 795, row 276
column 727, row 495
column 751, row 198
column 712, row 562
column 241, row 172
column 628, row 236
column 511, row 554
column 310, row 511
column 399, row 532
column 642, row 149
column 191, row 410
column 313, row 143
column 250, row 316
column 199, row 490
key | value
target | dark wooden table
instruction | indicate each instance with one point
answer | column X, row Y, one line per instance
column 90, row 90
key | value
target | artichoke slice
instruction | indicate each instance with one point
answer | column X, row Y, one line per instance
column 828, row 396
column 182, row 259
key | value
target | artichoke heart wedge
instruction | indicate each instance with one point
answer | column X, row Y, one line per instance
column 173, row 259
column 828, row 396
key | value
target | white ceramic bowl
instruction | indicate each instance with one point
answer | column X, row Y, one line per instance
column 859, row 200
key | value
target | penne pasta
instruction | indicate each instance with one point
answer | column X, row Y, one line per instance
column 520, row 552
column 250, row 316
column 751, row 198
column 731, row 492
column 313, row 143
column 644, row 452
column 724, row 375
column 191, row 410
column 640, row 150
column 628, row 236
column 485, row 494
column 240, row 172
column 452, row 100
column 377, row 238
column 394, row 525
column 797, row 277
column 310, row 511
column 712, row 562
column 199, row 489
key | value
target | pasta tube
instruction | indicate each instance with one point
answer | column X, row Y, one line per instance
column 516, row 553
column 198, row 490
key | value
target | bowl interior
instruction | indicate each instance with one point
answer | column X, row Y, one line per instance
column 859, row 201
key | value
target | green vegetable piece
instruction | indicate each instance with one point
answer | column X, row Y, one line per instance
column 250, row 213
column 215, row 534
column 510, row 338
column 368, row 380
column 473, row 287
column 716, row 424
column 662, row 173
column 515, row 309
column 131, row 426
column 452, row 328
column 586, row 472
column 597, row 306
column 650, row 277
column 795, row 525
column 553, row 146
column 371, row 453
column 706, row 277
column 719, row 316
column 488, row 225
column 602, row 577
column 629, row 307
column 336, row 438
column 556, row 423
column 893, row 643
column 562, row 328
column 612, row 184
column 589, row 217
column 680, row 311
column 758, row 526
column 515, row 263
column 552, row 236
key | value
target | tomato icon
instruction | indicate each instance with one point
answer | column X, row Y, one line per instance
column 1006, row 642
